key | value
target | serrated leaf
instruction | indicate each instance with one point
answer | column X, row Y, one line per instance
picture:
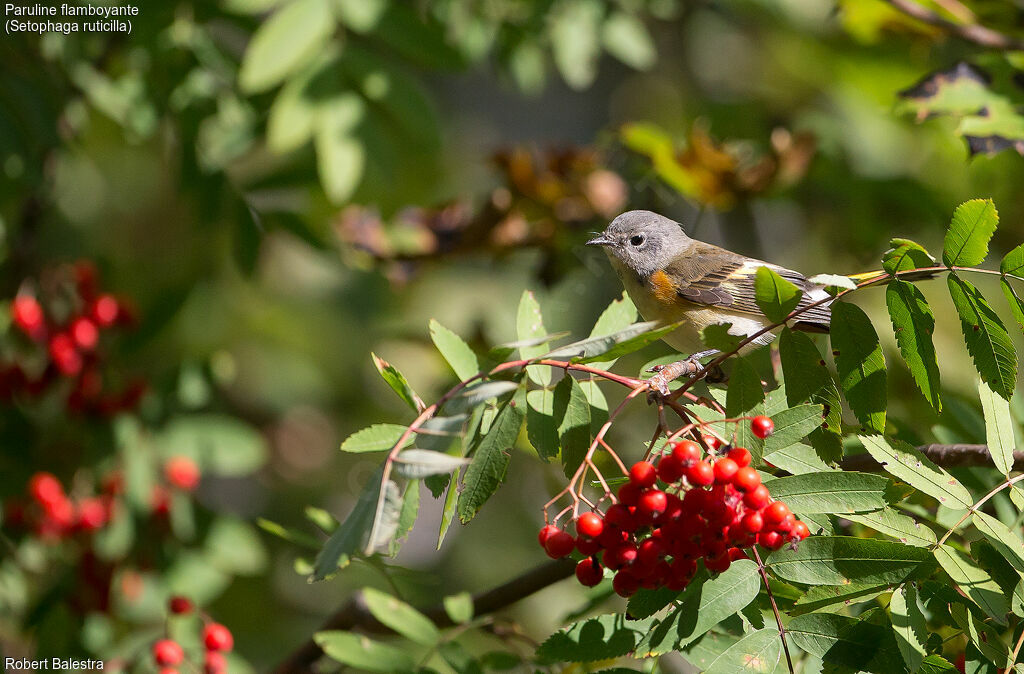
column 791, row 426
column 600, row 638
column 975, row 582
column 348, row 538
column 905, row 255
column 833, row 281
column 487, row 470
column 715, row 336
column 797, row 459
column 617, row 344
column 838, row 492
column 756, row 652
column 808, row 380
column 836, row 560
column 458, row 354
column 745, row 397
column 364, row 653
column 909, row 626
column 407, row 517
column 824, row 596
column 286, row 40
column 529, row 327
column 1014, row 300
column 899, row 526
column 448, row 510
column 906, row 463
column 646, row 603
column 847, row 642
column 376, row 438
column 400, row 617
column 973, row 224
column 1004, row 540
column 981, row 635
column 385, row 519
column 913, row 324
column 936, row 664
column 1013, row 262
column 476, row 394
column 998, row 428
column 860, row 363
column 417, row 464
column 702, row 607
column 541, row 427
column 618, row 315
column 986, row 337
column 775, row 296
column 397, row 382
column 572, row 414
column 459, row 607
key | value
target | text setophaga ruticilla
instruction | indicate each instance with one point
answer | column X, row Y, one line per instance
column 671, row 278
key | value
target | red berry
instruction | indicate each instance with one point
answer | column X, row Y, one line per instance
column 91, row 514
column 182, row 472
column 652, row 503
column 625, row 584
column 650, row 552
column 620, row 556
column 800, row 531
column 620, row 516
column 687, row 452
column 179, row 605
column 559, row 544
column 740, row 455
column 28, row 315
column 85, row 334
column 746, row 479
column 214, row 663
column 64, row 355
column 737, row 553
column 612, row 536
column 711, row 441
column 752, row 522
column 590, row 525
column 762, row 426
column 216, row 637
column 545, row 532
column 587, row 546
column 770, row 539
column 786, row 525
column 45, row 488
column 775, row 513
column 670, row 469
column 105, row 310
column 168, row 653
column 725, row 469
column 758, row 498
column 629, row 493
column 700, row 474
column 718, row 563
column 588, row 573
column 160, row 500
column 643, row 474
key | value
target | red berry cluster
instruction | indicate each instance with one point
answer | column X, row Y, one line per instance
column 65, row 333
column 53, row 515
column 217, row 640
column 709, row 509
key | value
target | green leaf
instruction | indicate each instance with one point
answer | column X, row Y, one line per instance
column 348, row 538
column 1013, row 263
column 1015, row 302
column 400, row 617
column 913, row 323
column 974, row 222
column 1002, row 538
column 291, row 535
column 364, row 653
column 899, row 526
column 574, row 31
column 479, row 393
column 290, row 37
column 776, row 296
column 417, row 464
column 340, row 154
column 530, row 326
column 860, row 363
column 702, row 607
column 745, row 397
column 626, row 38
column 455, row 351
column 837, row 492
column 385, row 520
column 906, row 463
column 606, row 636
column 360, row 15
column 986, row 337
column 981, row 635
column 459, row 607
column 718, row 337
column 407, row 517
column 321, row 519
column 791, row 426
column 572, row 413
column 490, row 461
column 906, row 255
column 998, row 428
column 541, row 427
column 936, row 664
column 848, row 642
column 397, row 382
column 808, row 380
column 974, row 581
column 797, row 459
column 836, row 560
column 618, row 315
column 449, row 508
column 909, row 626
column 823, row 596
column 756, row 652
column 376, row 438
column 617, row 344
column 646, row 603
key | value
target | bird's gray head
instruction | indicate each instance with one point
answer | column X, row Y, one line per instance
column 642, row 242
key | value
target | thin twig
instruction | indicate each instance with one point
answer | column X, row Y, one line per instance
column 976, row 33
column 775, row 608
column 1016, row 652
column 974, row 508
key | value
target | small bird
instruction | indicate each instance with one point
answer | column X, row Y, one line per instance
column 671, row 278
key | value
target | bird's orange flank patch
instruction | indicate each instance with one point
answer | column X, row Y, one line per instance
column 662, row 287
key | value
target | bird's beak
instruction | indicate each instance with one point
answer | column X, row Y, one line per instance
column 599, row 240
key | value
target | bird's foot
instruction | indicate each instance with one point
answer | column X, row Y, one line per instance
column 666, row 374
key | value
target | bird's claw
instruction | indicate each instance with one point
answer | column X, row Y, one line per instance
column 666, row 374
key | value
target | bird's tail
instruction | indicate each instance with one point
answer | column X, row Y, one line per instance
column 879, row 275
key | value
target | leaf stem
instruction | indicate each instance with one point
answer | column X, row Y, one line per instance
column 974, row 508
column 775, row 608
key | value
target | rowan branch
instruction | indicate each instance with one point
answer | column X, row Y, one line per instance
column 355, row 615
column 947, row 456
column 976, row 33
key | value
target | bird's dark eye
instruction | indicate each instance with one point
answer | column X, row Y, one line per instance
column 637, row 240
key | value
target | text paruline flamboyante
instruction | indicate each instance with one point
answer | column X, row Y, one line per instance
column 38, row 9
